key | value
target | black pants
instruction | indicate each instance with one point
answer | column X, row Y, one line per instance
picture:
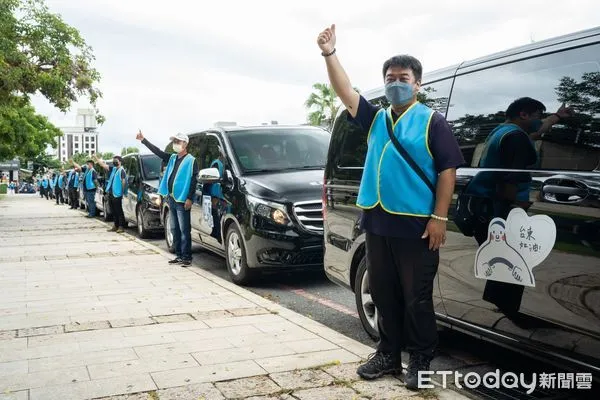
column 401, row 275
column 74, row 198
column 116, row 206
column 59, row 195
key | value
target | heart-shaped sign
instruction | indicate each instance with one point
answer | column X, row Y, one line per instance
column 514, row 247
column 533, row 237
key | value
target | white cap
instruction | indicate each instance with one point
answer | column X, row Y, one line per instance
column 180, row 136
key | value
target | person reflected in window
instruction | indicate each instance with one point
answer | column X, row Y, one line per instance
column 509, row 146
column 215, row 191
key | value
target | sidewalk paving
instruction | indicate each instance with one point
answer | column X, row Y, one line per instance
column 89, row 314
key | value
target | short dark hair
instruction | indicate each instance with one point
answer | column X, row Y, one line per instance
column 89, row 162
column 526, row 105
column 404, row 61
column 118, row 158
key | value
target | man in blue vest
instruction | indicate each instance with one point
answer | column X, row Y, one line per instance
column 178, row 184
column 45, row 186
column 52, row 184
column 58, row 188
column 404, row 220
column 89, row 183
column 72, row 188
column 116, row 188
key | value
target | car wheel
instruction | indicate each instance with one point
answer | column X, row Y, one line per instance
column 168, row 233
column 364, row 302
column 142, row 231
column 235, row 256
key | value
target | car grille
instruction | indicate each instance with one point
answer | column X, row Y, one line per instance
column 310, row 215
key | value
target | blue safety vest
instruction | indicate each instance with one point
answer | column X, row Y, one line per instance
column 484, row 183
column 115, row 183
column 45, row 183
column 388, row 180
column 183, row 179
column 75, row 184
column 52, row 182
column 60, row 181
column 89, row 179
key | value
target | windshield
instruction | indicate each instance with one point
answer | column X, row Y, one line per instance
column 151, row 165
column 264, row 150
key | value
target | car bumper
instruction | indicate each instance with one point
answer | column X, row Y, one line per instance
column 270, row 250
column 152, row 219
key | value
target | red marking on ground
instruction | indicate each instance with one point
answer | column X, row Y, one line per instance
column 323, row 301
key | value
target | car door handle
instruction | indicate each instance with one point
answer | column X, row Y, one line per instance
column 557, row 189
column 563, row 190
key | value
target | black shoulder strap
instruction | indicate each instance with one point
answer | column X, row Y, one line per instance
column 406, row 156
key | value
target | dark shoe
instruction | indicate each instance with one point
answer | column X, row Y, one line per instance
column 417, row 362
column 113, row 229
column 176, row 261
column 186, row 263
column 379, row 364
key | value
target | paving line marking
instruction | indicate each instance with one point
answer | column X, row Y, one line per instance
column 321, row 300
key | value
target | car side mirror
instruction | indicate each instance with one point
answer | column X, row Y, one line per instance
column 209, row 175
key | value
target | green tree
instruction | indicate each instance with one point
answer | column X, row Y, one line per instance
column 23, row 133
column 107, row 155
column 127, row 150
column 43, row 162
column 323, row 105
column 39, row 54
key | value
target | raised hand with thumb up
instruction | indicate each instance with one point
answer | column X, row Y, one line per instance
column 326, row 40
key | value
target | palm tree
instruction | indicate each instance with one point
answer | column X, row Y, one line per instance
column 324, row 105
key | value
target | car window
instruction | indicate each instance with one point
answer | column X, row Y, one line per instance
column 278, row 149
column 132, row 167
column 196, row 145
column 354, row 139
column 211, row 152
column 480, row 99
column 151, row 165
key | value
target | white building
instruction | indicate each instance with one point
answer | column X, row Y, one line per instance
column 81, row 138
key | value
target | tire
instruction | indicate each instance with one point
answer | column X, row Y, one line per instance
column 142, row 231
column 168, row 234
column 235, row 257
column 364, row 304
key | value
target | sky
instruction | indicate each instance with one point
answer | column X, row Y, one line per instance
column 182, row 65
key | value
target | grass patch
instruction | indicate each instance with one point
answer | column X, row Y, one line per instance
column 153, row 395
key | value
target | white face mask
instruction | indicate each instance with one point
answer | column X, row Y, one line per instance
column 177, row 147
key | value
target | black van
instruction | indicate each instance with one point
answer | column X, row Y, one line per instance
column 141, row 205
column 258, row 199
column 556, row 315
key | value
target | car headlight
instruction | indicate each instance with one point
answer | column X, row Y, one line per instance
column 155, row 199
column 268, row 209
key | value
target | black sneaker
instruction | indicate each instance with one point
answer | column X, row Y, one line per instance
column 379, row 364
column 176, row 261
column 186, row 263
column 417, row 362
